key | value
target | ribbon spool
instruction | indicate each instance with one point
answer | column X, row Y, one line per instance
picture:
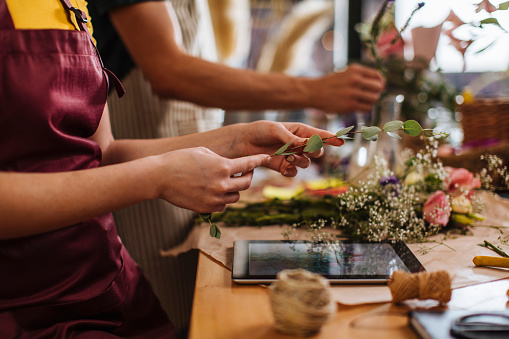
column 424, row 285
column 301, row 302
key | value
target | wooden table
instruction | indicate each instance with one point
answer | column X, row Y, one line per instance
column 223, row 309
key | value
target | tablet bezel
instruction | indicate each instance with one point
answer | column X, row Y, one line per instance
column 240, row 267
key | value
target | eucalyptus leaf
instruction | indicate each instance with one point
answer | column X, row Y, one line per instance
column 215, row 232
column 314, row 144
column 370, row 132
column 504, row 6
column 490, row 21
column 412, row 128
column 393, row 125
column 394, row 135
column 344, row 131
column 373, row 138
column 206, row 216
column 283, row 148
column 346, row 137
column 287, row 153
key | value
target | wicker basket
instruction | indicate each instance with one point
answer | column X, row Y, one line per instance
column 485, row 119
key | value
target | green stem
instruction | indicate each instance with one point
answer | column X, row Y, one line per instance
column 496, row 249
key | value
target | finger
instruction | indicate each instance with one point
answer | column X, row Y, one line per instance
column 247, row 164
column 369, row 72
column 216, row 208
column 289, row 171
column 316, row 154
column 367, row 97
column 364, row 106
column 240, row 183
column 301, row 161
column 231, row 198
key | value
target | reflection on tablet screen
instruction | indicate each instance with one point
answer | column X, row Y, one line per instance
column 344, row 259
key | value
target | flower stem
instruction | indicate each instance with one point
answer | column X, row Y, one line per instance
column 496, row 249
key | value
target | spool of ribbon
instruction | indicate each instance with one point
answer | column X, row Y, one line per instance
column 301, row 302
column 424, row 285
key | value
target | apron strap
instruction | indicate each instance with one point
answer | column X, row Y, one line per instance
column 5, row 16
column 81, row 19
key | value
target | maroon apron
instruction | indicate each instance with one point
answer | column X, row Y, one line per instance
column 78, row 281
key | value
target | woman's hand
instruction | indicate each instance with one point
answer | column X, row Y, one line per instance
column 200, row 180
column 267, row 137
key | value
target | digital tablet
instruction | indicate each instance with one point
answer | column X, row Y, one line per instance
column 347, row 262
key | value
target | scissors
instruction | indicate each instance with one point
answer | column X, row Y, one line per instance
column 481, row 326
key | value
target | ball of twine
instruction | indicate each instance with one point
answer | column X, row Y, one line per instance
column 301, row 302
column 424, row 285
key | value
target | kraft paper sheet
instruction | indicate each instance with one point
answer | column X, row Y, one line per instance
column 457, row 259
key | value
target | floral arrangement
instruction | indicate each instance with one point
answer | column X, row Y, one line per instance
column 315, row 143
column 424, row 199
column 384, row 45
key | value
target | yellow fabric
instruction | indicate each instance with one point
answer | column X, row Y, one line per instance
column 44, row 14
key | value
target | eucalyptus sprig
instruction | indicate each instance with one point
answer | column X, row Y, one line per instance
column 215, row 232
column 410, row 127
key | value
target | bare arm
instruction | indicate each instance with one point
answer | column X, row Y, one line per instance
column 173, row 169
column 175, row 74
column 195, row 178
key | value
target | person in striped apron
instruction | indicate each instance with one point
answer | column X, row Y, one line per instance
column 165, row 55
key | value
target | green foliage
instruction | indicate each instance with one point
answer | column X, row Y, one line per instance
column 504, row 6
column 314, row 144
column 215, row 232
column 392, row 126
column 344, row 131
column 412, row 128
column 283, row 148
column 370, row 133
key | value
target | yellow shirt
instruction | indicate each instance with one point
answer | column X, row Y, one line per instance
column 44, row 14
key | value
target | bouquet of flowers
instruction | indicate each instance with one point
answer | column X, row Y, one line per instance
column 424, row 199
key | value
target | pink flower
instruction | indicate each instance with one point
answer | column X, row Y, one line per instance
column 390, row 43
column 437, row 209
column 461, row 180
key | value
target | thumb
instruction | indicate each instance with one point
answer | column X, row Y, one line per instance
column 248, row 163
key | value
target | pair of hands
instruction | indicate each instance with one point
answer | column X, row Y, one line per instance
column 205, row 182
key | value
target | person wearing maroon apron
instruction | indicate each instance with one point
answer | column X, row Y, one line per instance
column 78, row 281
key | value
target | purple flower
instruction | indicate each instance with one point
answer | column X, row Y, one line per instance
column 390, row 184
column 392, row 180
column 420, row 5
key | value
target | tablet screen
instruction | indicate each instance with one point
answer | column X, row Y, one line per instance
column 346, row 261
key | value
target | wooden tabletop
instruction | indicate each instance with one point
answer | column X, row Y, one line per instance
column 223, row 309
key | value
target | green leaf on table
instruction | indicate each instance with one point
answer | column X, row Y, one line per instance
column 344, row 131
column 394, row 135
column 412, row 128
column 370, row 133
column 314, row 144
column 504, row 6
column 392, row 126
column 283, row 148
column 215, row 232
